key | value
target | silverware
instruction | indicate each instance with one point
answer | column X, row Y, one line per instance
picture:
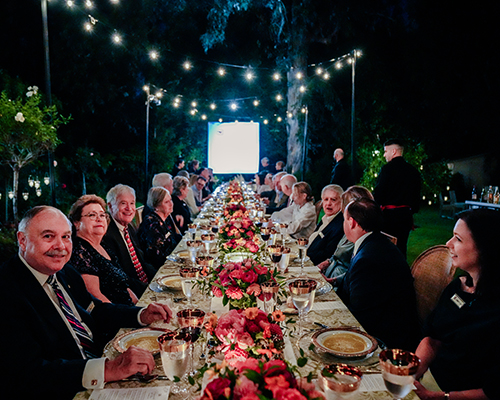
column 321, row 325
column 178, row 299
column 145, row 378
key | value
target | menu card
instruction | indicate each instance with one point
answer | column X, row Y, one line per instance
column 145, row 393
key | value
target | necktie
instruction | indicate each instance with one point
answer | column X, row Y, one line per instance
column 81, row 333
column 137, row 264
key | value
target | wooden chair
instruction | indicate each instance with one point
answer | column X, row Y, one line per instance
column 318, row 206
column 138, row 217
column 432, row 271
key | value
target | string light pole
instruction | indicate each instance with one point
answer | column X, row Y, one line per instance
column 155, row 99
column 355, row 55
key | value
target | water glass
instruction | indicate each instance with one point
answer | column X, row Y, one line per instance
column 175, row 355
column 340, row 381
column 398, row 371
column 270, row 291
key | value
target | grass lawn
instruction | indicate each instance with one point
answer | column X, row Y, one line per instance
column 430, row 230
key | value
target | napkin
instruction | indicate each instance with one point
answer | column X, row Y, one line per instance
column 217, row 307
column 288, row 351
column 144, row 393
column 329, row 305
column 306, row 269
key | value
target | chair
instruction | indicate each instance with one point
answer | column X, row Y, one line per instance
column 432, row 272
column 453, row 201
column 138, row 217
column 445, row 210
column 318, row 206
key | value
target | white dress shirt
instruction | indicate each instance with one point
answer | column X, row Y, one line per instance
column 324, row 223
column 301, row 220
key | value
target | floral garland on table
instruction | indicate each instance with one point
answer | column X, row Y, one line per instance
column 238, row 283
column 255, row 379
column 241, row 334
column 239, row 235
column 235, row 211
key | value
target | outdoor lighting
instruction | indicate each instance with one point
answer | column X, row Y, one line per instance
column 221, row 71
column 117, row 39
column 203, row 117
column 279, row 97
column 31, row 181
column 430, row 203
column 233, row 106
column 194, row 104
column 26, row 195
column 115, row 1
column 302, row 89
column 249, row 76
column 326, row 76
column 266, row 122
column 220, row 120
column 46, row 179
column 11, row 195
column 213, row 106
column 299, row 75
column 37, row 183
column 70, row 3
column 279, row 119
column 193, row 111
column 153, row 54
column 89, row 4
column 447, row 188
column 319, row 71
column 303, row 110
column 338, row 65
column 187, row 65
column 358, row 53
column 39, row 192
column 276, row 76
column 256, row 103
column 87, row 26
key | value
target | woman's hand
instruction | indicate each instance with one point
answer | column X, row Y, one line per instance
column 323, row 265
column 426, row 394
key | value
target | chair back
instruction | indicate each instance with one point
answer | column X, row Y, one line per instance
column 432, row 272
column 138, row 217
column 318, row 206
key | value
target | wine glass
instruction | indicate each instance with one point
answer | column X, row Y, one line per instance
column 270, row 293
column 215, row 227
column 275, row 251
column 301, row 290
column 191, row 321
column 265, row 234
column 398, row 370
column 340, row 381
column 283, row 228
column 193, row 246
column 285, row 259
column 174, row 358
column 207, row 239
column 303, row 243
column 310, row 305
column 188, row 279
column 192, row 230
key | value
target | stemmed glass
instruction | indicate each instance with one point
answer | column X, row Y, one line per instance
column 188, row 279
column 340, row 381
column 191, row 321
column 301, row 290
column 275, row 251
column 283, row 228
column 265, row 234
column 215, row 227
column 398, row 370
column 303, row 243
column 285, row 258
column 192, row 230
column 174, row 358
column 207, row 239
column 193, row 246
column 310, row 305
column 270, row 291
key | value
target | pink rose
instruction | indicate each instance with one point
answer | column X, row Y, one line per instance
column 249, row 363
column 276, row 383
column 236, row 274
column 244, row 340
column 216, row 291
column 234, row 293
column 253, row 289
column 245, row 387
column 216, row 388
column 289, row 394
column 249, row 276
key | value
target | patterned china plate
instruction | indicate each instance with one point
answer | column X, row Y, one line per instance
column 145, row 338
column 170, row 282
column 345, row 342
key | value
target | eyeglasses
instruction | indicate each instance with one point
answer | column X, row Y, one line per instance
column 93, row 216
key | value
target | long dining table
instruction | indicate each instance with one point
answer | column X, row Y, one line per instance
column 328, row 311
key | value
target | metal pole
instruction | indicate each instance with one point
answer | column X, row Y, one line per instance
column 147, row 145
column 353, row 110
column 48, row 90
column 304, row 147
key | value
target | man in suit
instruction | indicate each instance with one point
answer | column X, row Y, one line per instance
column 285, row 186
column 398, row 193
column 329, row 231
column 52, row 326
column 121, row 206
column 341, row 173
column 378, row 287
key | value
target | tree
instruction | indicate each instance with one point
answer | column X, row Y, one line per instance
column 27, row 130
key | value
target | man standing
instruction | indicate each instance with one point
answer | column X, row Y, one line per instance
column 378, row 286
column 57, row 327
column 121, row 237
column 398, row 193
column 341, row 173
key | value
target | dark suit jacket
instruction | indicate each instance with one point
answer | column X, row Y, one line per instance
column 114, row 240
column 341, row 174
column 279, row 205
column 36, row 340
column 322, row 248
column 378, row 290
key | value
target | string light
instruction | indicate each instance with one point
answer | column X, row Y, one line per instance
column 221, row 71
column 266, row 121
column 117, row 39
column 279, row 97
column 326, row 76
column 319, row 71
column 70, row 3
column 89, row 4
column 213, row 106
column 115, row 1
column 187, row 65
column 233, row 106
column 299, row 75
column 249, row 75
column 279, row 119
column 153, row 55
column 256, row 103
column 338, row 65
column 276, row 76
column 203, row 117
column 302, row 89
column 87, row 26
column 194, row 104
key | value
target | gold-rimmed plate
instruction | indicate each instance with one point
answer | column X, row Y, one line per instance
column 345, row 342
column 145, row 338
column 170, row 282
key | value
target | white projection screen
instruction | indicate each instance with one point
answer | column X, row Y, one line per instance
column 233, row 147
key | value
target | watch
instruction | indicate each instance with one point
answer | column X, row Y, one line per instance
column 446, row 395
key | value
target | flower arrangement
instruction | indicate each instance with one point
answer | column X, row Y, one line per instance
column 238, row 283
column 239, row 235
column 237, row 210
column 240, row 334
column 254, row 379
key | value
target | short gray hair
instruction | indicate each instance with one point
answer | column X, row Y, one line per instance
column 333, row 188
column 180, row 182
column 33, row 212
column 288, row 180
column 162, row 179
column 116, row 191
column 156, row 195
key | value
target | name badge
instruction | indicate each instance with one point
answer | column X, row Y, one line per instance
column 167, row 235
column 321, row 235
column 457, row 300
column 90, row 307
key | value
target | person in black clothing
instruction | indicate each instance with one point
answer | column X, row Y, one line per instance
column 181, row 212
column 179, row 166
column 398, row 193
column 378, row 286
column 341, row 173
column 462, row 331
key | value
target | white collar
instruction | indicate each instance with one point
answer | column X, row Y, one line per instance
column 359, row 241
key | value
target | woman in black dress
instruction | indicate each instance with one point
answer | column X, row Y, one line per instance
column 181, row 212
column 461, row 334
column 99, row 267
column 156, row 236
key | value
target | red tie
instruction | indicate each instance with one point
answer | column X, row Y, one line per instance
column 137, row 264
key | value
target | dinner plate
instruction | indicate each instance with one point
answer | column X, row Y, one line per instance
column 345, row 342
column 322, row 287
column 182, row 254
column 170, row 282
column 145, row 338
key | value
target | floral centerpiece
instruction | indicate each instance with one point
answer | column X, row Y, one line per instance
column 255, row 379
column 241, row 334
column 238, row 283
column 239, row 235
column 237, row 210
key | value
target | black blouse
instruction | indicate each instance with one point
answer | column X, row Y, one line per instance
column 181, row 208
column 113, row 282
column 156, row 239
column 469, row 336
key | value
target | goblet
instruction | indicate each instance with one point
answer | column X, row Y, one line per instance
column 174, row 358
column 215, row 226
column 303, row 243
column 193, row 247
column 258, row 222
column 192, row 230
column 301, row 290
column 270, row 291
column 208, row 239
column 188, row 279
column 340, row 381
column 398, row 370
column 283, row 228
column 310, row 305
column 265, row 234
column 285, row 259
column 275, row 251
column 191, row 321
column 204, row 229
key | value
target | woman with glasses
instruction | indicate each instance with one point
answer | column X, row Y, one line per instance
column 99, row 267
